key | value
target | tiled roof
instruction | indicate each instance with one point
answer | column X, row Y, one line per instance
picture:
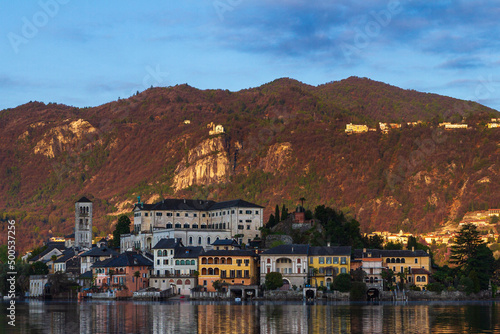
column 167, row 243
column 67, row 254
column 188, row 252
column 324, row 250
column 84, row 200
column 224, row 242
column 234, row 203
column 127, row 259
column 420, row 271
column 50, row 247
column 172, row 204
column 358, row 253
column 99, row 251
column 229, row 253
column 288, row 249
column 86, row 275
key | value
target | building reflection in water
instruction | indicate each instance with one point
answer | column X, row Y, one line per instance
column 262, row 317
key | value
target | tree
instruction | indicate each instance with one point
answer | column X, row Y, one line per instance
column 374, row 241
column 393, row 246
column 465, row 247
column 137, row 274
column 122, row 227
column 111, row 273
column 302, row 200
column 271, row 222
column 342, row 282
column 277, row 214
column 284, row 212
column 39, row 268
column 274, row 280
column 387, row 275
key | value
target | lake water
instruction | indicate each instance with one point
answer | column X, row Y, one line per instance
column 258, row 317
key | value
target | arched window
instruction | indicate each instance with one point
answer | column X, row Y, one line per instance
column 199, row 240
column 393, row 260
column 388, row 260
column 177, row 262
column 187, row 282
column 177, row 225
column 204, row 271
column 208, row 241
column 298, row 260
column 210, row 260
column 216, row 271
column 159, row 253
column 169, row 225
column 229, row 260
column 418, row 278
column 179, row 282
column 182, row 262
column 222, row 260
column 193, row 263
column 268, row 260
column 186, row 225
column 210, row 271
column 403, row 260
column 398, row 260
column 423, row 278
column 190, row 240
column 203, row 260
column 216, row 260
column 165, row 253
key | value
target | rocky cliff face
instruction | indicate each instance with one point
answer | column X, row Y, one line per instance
column 206, row 164
column 58, row 139
column 278, row 158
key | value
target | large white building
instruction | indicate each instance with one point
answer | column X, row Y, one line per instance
column 194, row 222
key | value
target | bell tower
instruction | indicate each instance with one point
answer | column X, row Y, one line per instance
column 83, row 223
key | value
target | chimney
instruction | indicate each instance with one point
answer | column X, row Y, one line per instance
column 364, row 250
column 328, row 244
column 412, row 248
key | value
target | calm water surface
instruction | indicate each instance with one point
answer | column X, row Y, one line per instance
column 259, row 317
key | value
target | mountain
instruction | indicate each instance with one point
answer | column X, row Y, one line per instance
column 281, row 141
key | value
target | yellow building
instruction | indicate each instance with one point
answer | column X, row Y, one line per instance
column 327, row 262
column 355, row 128
column 406, row 261
column 234, row 267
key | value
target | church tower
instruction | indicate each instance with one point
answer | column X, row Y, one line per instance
column 83, row 223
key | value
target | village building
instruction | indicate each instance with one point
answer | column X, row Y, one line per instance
column 230, row 267
column 195, row 222
column 290, row 261
column 325, row 263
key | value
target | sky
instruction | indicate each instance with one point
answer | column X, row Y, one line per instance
column 87, row 53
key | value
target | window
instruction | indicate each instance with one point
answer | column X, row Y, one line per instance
column 232, row 211
column 416, row 260
column 248, row 227
column 268, row 261
column 321, row 260
column 403, row 260
column 256, row 212
column 177, row 225
column 248, row 212
column 169, row 214
column 169, row 225
column 177, row 214
column 231, row 273
column 423, row 278
column 241, row 212
column 199, row 240
column 203, row 215
column 343, row 270
column 241, row 227
column 335, row 260
column 205, row 283
column 190, row 240
column 195, row 225
column 247, row 262
column 193, row 263
column 176, row 262
column 247, row 274
column 159, row 253
column 159, row 214
column 311, row 260
column 195, row 215
column 208, row 240
column 248, row 221
column 343, row 260
column 298, row 260
column 146, row 214
column 238, row 262
column 328, row 260
column 222, row 274
column 186, row 225
column 158, row 262
column 238, row 274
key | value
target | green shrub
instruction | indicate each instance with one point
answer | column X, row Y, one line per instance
column 342, row 283
column 358, row 291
